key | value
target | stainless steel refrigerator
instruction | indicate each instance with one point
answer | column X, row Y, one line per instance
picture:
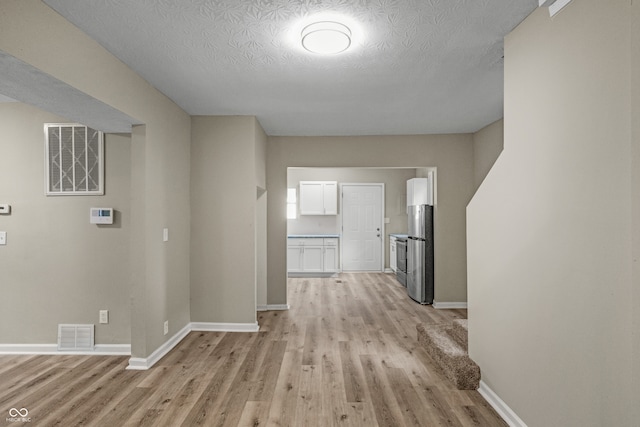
column 420, row 254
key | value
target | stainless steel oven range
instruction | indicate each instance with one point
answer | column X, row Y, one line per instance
column 401, row 258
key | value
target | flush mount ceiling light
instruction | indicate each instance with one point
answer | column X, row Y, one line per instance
column 326, row 37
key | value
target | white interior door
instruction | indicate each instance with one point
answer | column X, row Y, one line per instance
column 362, row 227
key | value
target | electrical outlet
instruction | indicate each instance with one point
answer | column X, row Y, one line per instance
column 104, row 316
column 3, row 237
column 166, row 327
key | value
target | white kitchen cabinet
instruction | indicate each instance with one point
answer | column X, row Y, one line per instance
column 420, row 191
column 318, row 198
column 330, row 198
column 331, row 261
column 312, row 255
column 294, row 257
column 393, row 260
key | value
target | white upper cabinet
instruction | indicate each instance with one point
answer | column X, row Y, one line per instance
column 420, row 191
column 330, row 198
column 318, row 198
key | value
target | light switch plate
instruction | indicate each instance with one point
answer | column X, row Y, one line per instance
column 165, row 235
column 5, row 209
column 104, row 316
column 3, row 237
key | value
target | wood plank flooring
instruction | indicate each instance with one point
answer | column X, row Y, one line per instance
column 346, row 354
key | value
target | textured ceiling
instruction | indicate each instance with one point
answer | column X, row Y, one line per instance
column 415, row 66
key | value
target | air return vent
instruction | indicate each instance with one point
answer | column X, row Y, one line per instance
column 75, row 337
column 74, row 160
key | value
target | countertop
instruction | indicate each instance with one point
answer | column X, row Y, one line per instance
column 307, row 236
column 400, row 236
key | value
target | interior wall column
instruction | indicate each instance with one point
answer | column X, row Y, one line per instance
column 138, row 239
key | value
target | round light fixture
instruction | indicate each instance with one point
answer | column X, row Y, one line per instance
column 326, row 37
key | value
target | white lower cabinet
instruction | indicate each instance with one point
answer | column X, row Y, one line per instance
column 331, row 260
column 312, row 255
column 312, row 259
column 294, row 258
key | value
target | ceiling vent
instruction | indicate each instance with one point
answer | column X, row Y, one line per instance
column 75, row 337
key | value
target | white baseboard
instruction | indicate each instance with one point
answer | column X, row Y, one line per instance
column 52, row 349
column 135, row 363
column 141, row 364
column 272, row 307
column 449, row 305
column 144, row 363
column 225, row 327
column 500, row 406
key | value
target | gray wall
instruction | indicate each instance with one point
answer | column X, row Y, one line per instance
column 261, row 214
column 551, row 261
column 452, row 155
column 56, row 267
column 159, row 273
column 488, row 143
column 224, row 236
column 635, row 206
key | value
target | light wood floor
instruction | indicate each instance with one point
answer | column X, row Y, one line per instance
column 345, row 354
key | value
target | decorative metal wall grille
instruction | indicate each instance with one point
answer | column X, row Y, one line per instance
column 75, row 161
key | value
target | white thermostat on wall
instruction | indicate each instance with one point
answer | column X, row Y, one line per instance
column 101, row 216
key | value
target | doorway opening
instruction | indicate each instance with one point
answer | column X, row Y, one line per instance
column 393, row 216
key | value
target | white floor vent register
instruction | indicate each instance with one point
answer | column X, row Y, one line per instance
column 75, row 337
